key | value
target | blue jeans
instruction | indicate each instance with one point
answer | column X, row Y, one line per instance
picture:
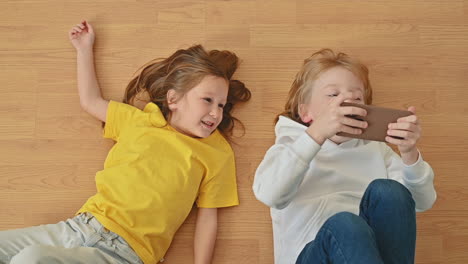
column 384, row 231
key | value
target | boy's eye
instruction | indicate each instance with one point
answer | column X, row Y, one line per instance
column 221, row 105
column 332, row 95
column 208, row 100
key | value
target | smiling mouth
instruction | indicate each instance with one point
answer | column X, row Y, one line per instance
column 208, row 124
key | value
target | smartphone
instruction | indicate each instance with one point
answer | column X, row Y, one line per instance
column 377, row 119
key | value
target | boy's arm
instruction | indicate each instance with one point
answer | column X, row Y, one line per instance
column 411, row 170
column 418, row 177
column 282, row 171
column 205, row 235
column 82, row 38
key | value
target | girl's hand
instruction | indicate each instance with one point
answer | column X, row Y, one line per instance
column 82, row 36
column 407, row 128
column 333, row 119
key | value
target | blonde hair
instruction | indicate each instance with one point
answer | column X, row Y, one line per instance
column 182, row 71
column 319, row 62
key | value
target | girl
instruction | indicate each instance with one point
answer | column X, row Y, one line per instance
column 166, row 157
column 335, row 199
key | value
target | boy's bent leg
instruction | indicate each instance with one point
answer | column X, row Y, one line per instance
column 389, row 209
column 343, row 238
column 40, row 254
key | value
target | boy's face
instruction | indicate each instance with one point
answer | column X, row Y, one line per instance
column 199, row 111
column 331, row 83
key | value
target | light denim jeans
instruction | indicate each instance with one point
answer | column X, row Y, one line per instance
column 81, row 239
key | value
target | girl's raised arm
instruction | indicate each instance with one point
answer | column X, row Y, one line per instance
column 82, row 38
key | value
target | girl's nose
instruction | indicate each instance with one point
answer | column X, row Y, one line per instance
column 215, row 112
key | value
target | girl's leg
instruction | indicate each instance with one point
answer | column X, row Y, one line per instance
column 40, row 254
column 13, row 241
column 81, row 239
column 389, row 209
column 343, row 238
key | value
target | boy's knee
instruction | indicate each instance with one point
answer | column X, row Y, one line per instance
column 35, row 254
column 389, row 190
column 347, row 222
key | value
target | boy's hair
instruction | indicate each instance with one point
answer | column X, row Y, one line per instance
column 182, row 71
column 319, row 62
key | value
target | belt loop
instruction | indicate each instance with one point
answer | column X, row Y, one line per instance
column 88, row 217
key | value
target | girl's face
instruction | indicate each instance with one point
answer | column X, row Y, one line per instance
column 331, row 83
column 199, row 111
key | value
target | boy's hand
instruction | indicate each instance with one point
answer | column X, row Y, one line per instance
column 82, row 36
column 407, row 128
column 333, row 119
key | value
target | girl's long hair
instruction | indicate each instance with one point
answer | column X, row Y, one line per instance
column 182, row 71
column 316, row 64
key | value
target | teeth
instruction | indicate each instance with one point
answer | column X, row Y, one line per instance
column 207, row 123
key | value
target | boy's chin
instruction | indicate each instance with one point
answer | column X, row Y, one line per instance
column 339, row 139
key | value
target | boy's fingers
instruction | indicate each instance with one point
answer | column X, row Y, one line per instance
column 403, row 126
column 399, row 133
column 350, row 130
column 338, row 100
column 393, row 140
column 354, row 123
column 353, row 110
column 412, row 119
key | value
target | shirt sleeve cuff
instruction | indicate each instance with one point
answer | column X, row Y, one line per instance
column 415, row 163
column 305, row 147
column 417, row 171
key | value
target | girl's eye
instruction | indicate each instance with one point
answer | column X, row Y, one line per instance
column 208, row 100
column 332, row 95
column 221, row 105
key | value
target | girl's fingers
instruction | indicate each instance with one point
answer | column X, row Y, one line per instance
column 89, row 27
column 76, row 30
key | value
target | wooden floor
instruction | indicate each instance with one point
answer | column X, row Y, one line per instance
column 50, row 150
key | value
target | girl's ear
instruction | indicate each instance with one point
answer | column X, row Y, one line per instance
column 171, row 99
column 306, row 118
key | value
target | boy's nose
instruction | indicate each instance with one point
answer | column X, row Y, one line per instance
column 350, row 97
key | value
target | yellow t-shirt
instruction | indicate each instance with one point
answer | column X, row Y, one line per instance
column 153, row 175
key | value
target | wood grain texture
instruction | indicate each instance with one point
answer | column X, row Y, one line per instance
column 50, row 149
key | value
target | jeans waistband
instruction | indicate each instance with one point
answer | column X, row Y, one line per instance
column 99, row 228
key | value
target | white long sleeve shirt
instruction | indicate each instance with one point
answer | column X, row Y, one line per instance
column 304, row 183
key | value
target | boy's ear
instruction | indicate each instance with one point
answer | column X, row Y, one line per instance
column 304, row 114
column 171, row 99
